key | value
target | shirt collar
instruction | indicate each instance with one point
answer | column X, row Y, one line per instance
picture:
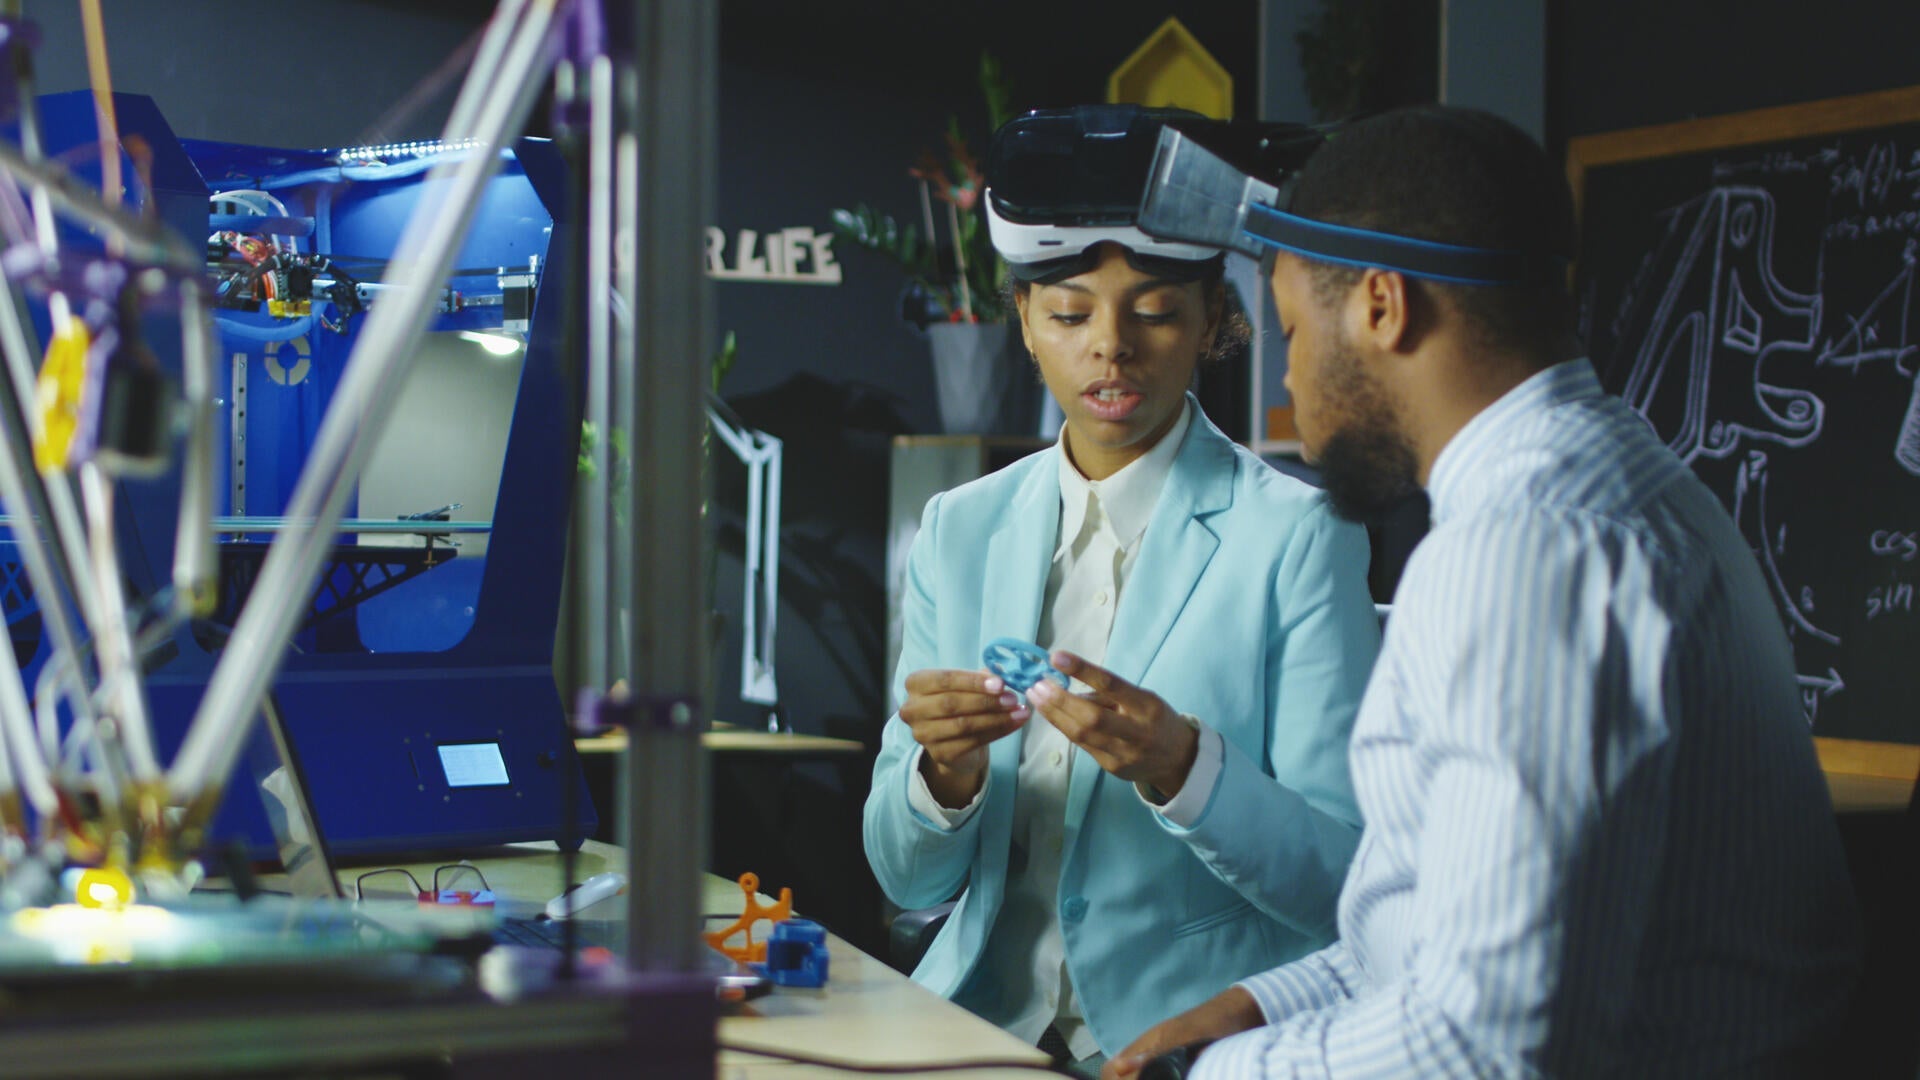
column 1456, row 476
column 1127, row 498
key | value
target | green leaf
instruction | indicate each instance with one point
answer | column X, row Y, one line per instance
column 723, row 361
column 997, row 90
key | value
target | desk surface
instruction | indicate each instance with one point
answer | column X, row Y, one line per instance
column 738, row 740
column 867, row 1013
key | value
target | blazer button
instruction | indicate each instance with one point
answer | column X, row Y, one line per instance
column 1075, row 909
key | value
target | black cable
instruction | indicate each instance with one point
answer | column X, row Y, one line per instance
column 1057, row 1067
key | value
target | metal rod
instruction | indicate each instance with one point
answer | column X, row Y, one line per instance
column 196, row 562
column 148, row 241
column 48, row 567
column 16, row 728
column 124, row 697
column 770, row 564
column 596, row 520
column 486, row 61
column 668, row 100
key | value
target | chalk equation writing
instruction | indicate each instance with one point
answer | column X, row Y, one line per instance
column 1879, row 175
column 1867, row 226
column 1889, row 598
column 1774, row 162
column 1900, row 545
column 1903, row 546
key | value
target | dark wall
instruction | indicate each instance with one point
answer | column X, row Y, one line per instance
column 828, row 104
column 1628, row 63
column 272, row 72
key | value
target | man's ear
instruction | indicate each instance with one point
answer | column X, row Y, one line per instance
column 1383, row 300
column 1020, row 304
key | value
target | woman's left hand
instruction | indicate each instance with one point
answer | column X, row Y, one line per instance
column 1130, row 732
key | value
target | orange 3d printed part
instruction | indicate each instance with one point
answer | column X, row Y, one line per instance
column 750, row 952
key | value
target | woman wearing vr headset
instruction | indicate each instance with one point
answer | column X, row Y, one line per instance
column 1183, row 812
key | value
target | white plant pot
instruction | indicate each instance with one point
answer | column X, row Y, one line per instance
column 970, row 373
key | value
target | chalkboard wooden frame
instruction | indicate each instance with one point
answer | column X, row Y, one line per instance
column 1826, row 117
column 1888, row 769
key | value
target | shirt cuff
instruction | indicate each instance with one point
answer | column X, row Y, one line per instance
column 1309, row 984
column 920, row 797
column 1185, row 808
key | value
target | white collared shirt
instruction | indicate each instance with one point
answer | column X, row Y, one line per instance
column 1101, row 526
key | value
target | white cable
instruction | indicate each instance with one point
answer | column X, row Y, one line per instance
column 249, row 198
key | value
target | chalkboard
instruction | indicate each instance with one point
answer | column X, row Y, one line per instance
column 1747, row 283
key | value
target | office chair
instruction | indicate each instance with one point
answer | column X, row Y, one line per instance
column 911, row 933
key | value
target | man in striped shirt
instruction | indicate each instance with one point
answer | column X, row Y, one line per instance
column 1597, row 842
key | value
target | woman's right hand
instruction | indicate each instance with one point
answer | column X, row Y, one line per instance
column 953, row 716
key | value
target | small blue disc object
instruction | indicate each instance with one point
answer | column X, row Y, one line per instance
column 1020, row 664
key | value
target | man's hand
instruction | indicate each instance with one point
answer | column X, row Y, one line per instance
column 1130, row 732
column 1229, row 1012
column 953, row 716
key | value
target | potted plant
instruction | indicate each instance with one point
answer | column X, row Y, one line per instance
column 955, row 289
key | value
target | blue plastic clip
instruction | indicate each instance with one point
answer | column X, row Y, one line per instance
column 1020, row 664
column 796, row 954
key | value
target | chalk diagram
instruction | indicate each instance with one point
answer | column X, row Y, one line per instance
column 1721, row 297
column 1706, row 305
column 1880, row 335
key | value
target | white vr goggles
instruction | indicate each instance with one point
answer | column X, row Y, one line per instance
column 1060, row 182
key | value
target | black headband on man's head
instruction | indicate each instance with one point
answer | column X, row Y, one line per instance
column 1204, row 188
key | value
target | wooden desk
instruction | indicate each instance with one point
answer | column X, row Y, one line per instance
column 867, row 1013
column 728, row 739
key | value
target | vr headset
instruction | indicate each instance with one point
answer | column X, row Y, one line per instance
column 1206, row 186
column 1061, row 181
column 1175, row 190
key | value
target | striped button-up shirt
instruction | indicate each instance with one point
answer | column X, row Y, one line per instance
column 1597, row 837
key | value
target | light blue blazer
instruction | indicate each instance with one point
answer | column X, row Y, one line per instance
column 1248, row 608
